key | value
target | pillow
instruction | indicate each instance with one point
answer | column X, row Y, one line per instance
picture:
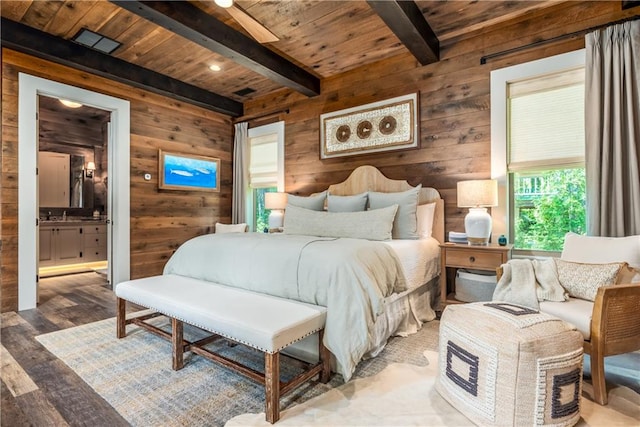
column 628, row 275
column 598, row 250
column 425, row 214
column 405, row 225
column 315, row 202
column 231, row 228
column 583, row 280
column 355, row 203
column 371, row 225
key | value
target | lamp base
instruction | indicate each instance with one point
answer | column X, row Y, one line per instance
column 477, row 226
column 276, row 219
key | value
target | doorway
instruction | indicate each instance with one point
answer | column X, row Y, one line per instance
column 117, row 206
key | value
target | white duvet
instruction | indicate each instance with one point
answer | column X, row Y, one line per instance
column 351, row 277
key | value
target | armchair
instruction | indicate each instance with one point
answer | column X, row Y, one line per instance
column 610, row 324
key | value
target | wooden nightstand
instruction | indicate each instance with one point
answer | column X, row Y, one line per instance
column 454, row 256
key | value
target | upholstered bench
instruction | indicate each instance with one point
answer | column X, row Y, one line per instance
column 263, row 322
column 501, row 364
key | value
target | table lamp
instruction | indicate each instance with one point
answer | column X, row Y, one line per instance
column 276, row 202
column 477, row 195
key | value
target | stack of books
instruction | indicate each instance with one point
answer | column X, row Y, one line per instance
column 455, row 237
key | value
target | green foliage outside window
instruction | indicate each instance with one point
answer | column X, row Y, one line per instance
column 262, row 214
column 547, row 206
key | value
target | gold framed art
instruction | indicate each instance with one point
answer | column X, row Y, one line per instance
column 386, row 125
column 188, row 172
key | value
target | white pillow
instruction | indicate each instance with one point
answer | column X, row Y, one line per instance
column 425, row 214
column 356, row 203
column 601, row 250
column 371, row 225
column 315, row 202
column 405, row 225
column 231, row 228
column 582, row 280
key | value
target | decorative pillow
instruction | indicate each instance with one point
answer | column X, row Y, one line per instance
column 425, row 214
column 583, row 280
column 405, row 225
column 598, row 250
column 371, row 225
column 628, row 275
column 355, row 203
column 231, row 228
column 315, row 202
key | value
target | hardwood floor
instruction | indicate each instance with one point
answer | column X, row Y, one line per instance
column 37, row 389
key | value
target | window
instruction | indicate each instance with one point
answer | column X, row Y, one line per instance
column 266, row 171
column 538, row 151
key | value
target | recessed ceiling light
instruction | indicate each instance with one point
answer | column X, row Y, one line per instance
column 70, row 104
column 224, row 3
column 215, row 67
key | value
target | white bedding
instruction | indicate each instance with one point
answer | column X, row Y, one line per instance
column 353, row 278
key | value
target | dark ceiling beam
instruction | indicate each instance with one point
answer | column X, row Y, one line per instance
column 188, row 21
column 407, row 22
column 37, row 43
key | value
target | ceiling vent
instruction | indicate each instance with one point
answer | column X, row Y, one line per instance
column 96, row 41
column 244, row 92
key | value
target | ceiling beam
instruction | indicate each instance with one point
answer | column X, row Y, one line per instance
column 185, row 19
column 407, row 22
column 37, row 43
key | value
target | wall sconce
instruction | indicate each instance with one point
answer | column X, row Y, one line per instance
column 477, row 195
column 276, row 202
column 91, row 166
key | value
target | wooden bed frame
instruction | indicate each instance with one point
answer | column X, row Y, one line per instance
column 368, row 178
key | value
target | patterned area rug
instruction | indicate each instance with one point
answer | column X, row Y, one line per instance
column 394, row 389
column 134, row 374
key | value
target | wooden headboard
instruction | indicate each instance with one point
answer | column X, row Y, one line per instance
column 368, row 178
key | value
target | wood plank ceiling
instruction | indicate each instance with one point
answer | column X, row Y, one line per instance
column 323, row 38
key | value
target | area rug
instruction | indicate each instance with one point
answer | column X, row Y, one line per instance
column 394, row 389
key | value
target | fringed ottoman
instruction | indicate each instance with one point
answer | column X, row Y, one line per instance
column 505, row 365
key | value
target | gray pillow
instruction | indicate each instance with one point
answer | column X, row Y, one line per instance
column 371, row 225
column 405, row 225
column 355, row 203
column 315, row 202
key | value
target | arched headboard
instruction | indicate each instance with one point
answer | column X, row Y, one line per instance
column 369, row 178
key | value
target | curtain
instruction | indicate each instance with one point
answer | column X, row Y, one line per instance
column 240, row 172
column 612, row 120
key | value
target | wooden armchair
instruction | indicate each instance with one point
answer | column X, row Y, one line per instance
column 611, row 323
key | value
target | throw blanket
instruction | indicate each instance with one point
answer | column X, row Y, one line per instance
column 350, row 277
column 526, row 282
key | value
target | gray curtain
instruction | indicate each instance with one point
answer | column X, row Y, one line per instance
column 612, row 119
column 240, row 173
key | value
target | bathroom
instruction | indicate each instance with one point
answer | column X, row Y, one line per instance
column 72, row 188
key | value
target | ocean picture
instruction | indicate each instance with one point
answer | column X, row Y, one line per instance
column 183, row 172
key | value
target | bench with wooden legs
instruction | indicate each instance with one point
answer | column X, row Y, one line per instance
column 264, row 322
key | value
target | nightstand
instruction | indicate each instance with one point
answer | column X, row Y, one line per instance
column 454, row 256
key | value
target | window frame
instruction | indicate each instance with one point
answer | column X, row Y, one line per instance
column 502, row 223
column 256, row 132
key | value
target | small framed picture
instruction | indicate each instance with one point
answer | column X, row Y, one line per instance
column 188, row 172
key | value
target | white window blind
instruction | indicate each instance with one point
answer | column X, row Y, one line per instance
column 263, row 163
column 546, row 117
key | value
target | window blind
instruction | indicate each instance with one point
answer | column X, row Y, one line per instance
column 546, row 122
column 263, row 161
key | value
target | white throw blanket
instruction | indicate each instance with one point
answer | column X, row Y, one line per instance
column 525, row 282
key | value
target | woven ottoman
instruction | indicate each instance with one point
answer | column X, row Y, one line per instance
column 502, row 364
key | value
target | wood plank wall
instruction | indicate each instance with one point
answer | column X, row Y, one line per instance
column 160, row 220
column 454, row 104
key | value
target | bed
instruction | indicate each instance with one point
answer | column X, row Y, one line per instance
column 373, row 287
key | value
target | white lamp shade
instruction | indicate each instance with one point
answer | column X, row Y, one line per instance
column 277, row 201
column 478, row 193
column 91, row 166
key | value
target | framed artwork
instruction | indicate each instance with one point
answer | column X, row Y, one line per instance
column 386, row 125
column 188, row 172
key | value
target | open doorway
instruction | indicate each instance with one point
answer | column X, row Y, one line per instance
column 118, row 163
column 72, row 191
